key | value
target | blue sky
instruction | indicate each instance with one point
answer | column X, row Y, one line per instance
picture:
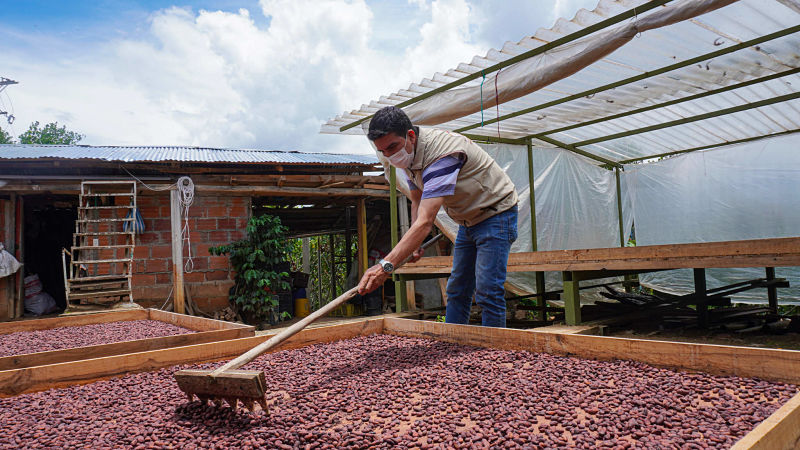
column 238, row 73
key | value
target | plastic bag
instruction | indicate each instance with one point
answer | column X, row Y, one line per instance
column 33, row 286
column 40, row 304
column 8, row 264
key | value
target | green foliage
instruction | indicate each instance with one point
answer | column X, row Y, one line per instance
column 320, row 267
column 440, row 319
column 50, row 134
column 254, row 260
column 5, row 138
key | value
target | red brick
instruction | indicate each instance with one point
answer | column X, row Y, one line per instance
column 139, row 266
column 200, row 263
column 158, row 225
column 239, row 211
column 155, row 265
column 218, row 262
column 219, row 237
column 202, row 249
column 143, row 279
column 226, row 224
column 150, row 212
column 163, row 278
column 194, row 277
column 217, row 275
column 146, row 200
column 160, row 251
column 206, row 224
column 236, row 235
column 241, row 223
column 149, row 237
column 216, row 211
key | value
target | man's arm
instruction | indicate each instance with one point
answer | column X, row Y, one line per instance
column 411, row 241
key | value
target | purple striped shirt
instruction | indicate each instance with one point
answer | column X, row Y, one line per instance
column 439, row 179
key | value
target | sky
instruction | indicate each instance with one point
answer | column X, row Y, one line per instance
column 259, row 74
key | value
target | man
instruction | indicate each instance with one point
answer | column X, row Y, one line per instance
column 444, row 168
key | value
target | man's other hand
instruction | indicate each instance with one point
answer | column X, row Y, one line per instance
column 373, row 278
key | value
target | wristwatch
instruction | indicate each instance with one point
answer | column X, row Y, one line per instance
column 386, row 265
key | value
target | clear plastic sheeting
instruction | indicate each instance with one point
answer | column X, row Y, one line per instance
column 576, row 205
column 746, row 191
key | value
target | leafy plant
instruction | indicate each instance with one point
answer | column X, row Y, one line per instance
column 255, row 260
column 50, row 134
column 440, row 319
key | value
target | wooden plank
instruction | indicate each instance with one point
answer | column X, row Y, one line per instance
column 39, row 378
column 72, row 321
column 177, row 252
column 361, row 229
column 120, row 348
column 780, row 431
column 194, row 322
column 292, row 191
column 768, row 364
column 729, row 254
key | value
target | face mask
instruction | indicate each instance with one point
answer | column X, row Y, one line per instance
column 402, row 159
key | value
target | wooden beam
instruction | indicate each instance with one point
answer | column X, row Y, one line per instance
column 779, row 431
column 40, row 378
column 729, row 254
column 72, row 321
column 19, row 238
column 361, row 229
column 177, row 252
column 194, row 322
column 750, row 362
column 292, row 191
column 121, row 348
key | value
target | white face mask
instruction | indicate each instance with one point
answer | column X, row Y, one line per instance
column 402, row 159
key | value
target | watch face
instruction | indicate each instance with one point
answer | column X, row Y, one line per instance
column 387, row 266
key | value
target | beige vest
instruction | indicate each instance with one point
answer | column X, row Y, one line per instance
column 482, row 188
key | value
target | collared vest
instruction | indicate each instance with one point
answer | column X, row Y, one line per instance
column 482, row 188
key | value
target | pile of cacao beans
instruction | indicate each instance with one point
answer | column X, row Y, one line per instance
column 81, row 336
column 384, row 391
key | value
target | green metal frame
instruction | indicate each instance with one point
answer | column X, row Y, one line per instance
column 642, row 76
column 541, row 301
column 669, row 103
column 399, row 286
column 523, row 56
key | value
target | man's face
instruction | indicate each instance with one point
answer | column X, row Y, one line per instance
column 390, row 143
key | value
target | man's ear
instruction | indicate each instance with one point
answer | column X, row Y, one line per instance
column 413, row 137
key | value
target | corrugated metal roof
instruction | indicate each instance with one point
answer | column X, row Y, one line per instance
column 651, row 50
column 180, row 154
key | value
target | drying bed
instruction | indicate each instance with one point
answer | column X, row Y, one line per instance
column 62, row 338
column 26, row 344
column 387, row 391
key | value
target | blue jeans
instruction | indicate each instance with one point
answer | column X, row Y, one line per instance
column 480, row 260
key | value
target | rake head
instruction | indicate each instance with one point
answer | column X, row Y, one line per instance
column 232, row 387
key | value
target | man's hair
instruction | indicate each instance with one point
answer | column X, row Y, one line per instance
column 390, row 119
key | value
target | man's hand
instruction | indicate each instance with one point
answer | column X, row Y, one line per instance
column 416, row 255
column 373, row 278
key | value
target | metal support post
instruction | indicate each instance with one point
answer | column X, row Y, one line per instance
column 772, row 291
column 572, row 299
column 399, row 286
column 541, row 303
column 702, row 300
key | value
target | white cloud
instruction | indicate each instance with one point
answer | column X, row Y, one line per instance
column 213, row 78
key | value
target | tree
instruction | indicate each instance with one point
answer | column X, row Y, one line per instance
column 50, row 134
column 5, row 138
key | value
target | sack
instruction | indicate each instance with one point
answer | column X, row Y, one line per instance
column 33, row 286
column 8, row 264
column 136, row 225
column 40, row 304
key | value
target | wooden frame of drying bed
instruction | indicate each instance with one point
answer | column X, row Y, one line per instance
column 207, row 330
column 780, row 430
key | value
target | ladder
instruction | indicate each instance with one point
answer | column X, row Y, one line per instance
column 101, row 258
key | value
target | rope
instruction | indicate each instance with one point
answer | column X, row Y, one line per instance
column 185, row 187
column 165, row 188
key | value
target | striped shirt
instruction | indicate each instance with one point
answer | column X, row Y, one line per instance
column 440, row 177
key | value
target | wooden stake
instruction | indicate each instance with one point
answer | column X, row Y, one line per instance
column 177, row 252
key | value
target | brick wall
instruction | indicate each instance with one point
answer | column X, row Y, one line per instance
column 213, row 220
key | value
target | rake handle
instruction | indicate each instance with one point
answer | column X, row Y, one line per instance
column 292, row 330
